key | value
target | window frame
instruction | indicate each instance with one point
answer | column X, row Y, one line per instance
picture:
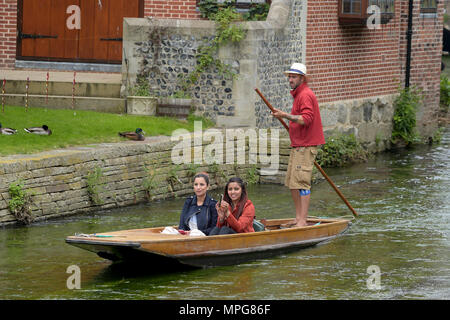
column 361, row 18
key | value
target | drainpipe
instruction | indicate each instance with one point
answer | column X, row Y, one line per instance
column 408, row 43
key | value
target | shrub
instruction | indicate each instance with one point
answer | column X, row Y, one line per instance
column 445, row 94
column 404, row 120
column 20, row 203
column 340, row 150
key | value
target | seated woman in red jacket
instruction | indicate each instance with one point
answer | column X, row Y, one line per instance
column 236, row 212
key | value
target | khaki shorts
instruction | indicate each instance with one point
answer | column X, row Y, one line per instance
column 299, row 171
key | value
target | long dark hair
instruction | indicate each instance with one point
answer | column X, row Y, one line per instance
column 243, row 198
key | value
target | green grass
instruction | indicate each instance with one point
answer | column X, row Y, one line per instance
column 77, row 128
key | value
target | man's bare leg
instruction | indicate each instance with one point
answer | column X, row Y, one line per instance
column 301, row 207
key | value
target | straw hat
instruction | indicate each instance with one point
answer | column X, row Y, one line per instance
column 297, row 68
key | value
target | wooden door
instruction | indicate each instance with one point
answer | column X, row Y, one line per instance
column 74, row 30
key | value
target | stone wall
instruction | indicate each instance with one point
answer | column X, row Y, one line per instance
column 161, row 50
column 129, row 173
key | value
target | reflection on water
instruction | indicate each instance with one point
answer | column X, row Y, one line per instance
column 403, row 229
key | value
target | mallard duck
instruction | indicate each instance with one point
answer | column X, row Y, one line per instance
column 7, row 131
column 44, row 130
column 138, row 135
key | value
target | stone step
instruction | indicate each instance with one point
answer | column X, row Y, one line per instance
column 99, row 104
column 87, row 84
column 59, row 88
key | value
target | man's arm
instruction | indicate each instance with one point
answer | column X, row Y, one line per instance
column 294, row 118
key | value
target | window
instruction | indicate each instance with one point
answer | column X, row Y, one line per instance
column 386, row 6
column 351, row 6
column 428, row 6
column 355, row 11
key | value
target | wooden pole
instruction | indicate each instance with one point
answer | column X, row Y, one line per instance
column 46, row 89
column 315, row 163
column 73, row 91
column 26, row 95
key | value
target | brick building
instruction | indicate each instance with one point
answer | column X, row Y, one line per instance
column 346, row 59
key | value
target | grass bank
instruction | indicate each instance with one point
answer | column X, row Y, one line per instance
column 74, row 128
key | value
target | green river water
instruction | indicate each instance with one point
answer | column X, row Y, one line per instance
column 403, row 230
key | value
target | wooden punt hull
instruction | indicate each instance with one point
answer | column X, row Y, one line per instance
column 149, row 245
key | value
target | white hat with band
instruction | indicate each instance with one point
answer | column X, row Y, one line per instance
column 297, row 68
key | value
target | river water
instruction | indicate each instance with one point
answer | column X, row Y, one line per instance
column 402, row 232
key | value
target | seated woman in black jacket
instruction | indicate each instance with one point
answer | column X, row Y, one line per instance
column 199, row 211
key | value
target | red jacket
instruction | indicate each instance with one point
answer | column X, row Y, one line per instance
column 245, row 221
column 306, row 105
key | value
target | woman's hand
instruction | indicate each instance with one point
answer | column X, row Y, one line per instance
column 222, row 210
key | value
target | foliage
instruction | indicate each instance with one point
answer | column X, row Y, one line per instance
column 192, row 170
column 226, row 32
column 404, row 120
column 218, row 172
column 141, row 88
column 340, row 150
column 445, row 94
column 172, row 177
column 93, row 185
column 149, row 182
column 224, row 15
column 209, row 8
column 181, row 95
column 252, row 175
column 20, row 203
column 257, row 12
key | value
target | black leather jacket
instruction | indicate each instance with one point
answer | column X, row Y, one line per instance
column 206, row 214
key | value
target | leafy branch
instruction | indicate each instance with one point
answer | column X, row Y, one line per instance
column 226, row 32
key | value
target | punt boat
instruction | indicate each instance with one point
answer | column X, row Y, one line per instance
column 164, row 250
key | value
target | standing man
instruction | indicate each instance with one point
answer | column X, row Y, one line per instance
column 305, row 133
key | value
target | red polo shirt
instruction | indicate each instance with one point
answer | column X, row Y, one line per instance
column 306, row 105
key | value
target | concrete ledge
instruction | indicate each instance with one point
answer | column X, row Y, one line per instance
column 47, row 65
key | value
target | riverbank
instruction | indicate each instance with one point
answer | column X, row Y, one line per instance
column 111, row 175
column 91, row 178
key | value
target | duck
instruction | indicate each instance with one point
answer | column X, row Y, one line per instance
column 138, row 135
column 44, row 130
column 7, row 131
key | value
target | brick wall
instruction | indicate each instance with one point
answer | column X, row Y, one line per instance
column 8, row 26
column 350, row 62
column 176, row 9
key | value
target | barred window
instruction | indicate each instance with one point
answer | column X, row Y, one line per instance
column 428, row 6
column 386, row 6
